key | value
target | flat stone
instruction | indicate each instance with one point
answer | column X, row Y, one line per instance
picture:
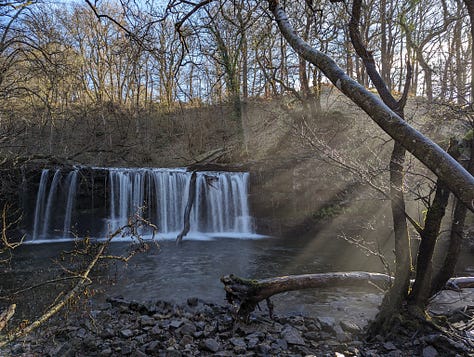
column 176, row 323
column 350, row 326
column 146, row 320
column 171, row 352
column 430, row 351
column 292, row 336
column 252, row 342
column 186, row 340
column 389, row 346
column 106, row 352
column 127, row 333
column 156, row 330
column 311, row 335
column 66, row 350
column 263, row 349
column 240, row 350
column 327, row 323
column 282, row 344
column 187, row 329
column 107, row 333
column 211, row 345
column 152, row 346
column 238, row 342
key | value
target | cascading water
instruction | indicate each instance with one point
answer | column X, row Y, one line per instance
column 54, row 203
column 220, row 208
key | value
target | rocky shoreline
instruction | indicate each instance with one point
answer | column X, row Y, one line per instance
column 197, row 328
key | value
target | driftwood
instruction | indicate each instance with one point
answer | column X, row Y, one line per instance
column 246, row 294
column 6, row 315
column 189, row 206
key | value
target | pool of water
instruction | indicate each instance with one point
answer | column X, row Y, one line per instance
column 194, row 269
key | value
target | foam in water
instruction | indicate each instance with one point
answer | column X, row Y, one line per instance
column 220, row 208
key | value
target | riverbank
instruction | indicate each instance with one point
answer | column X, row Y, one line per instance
column 197, row 328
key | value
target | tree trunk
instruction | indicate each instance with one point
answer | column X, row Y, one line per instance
column 187, row 210
column 455, row 240
column 470, row 11
column 421, row 291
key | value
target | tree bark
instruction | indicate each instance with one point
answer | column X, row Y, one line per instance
column 248, row 293
column 455, row 240
column 187, row 210
column 421, row 291
column 470, row 11
column 458, row 180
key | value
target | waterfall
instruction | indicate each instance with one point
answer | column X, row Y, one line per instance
column 158, row 195
column 54, row 203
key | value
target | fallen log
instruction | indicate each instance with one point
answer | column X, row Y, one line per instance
column 246, row 294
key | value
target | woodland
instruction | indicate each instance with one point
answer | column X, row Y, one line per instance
column 148, row 83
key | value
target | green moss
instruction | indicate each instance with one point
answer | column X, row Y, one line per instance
column 328, row 212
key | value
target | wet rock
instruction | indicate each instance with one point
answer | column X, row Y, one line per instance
column 170, row 352
column 187, row 329
column 263, row 349
column 106, row 352
column 65, row 350
column 430, row 351
column 239, row 350
column 238, row 342
column 252, row 342
column 350, row 326
column 176, row 323
column 292, row 336
column 395, row 353
column 127, row 333
column 81, row 333
column 107, row 333
column 389, row 346
column 211, row 345
column 138, row 353
column 281, row 344
column 327, row 324
column 152, row 347
column 146, row 320
column 128, row 348
column 311, row 335
column 186, row 340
